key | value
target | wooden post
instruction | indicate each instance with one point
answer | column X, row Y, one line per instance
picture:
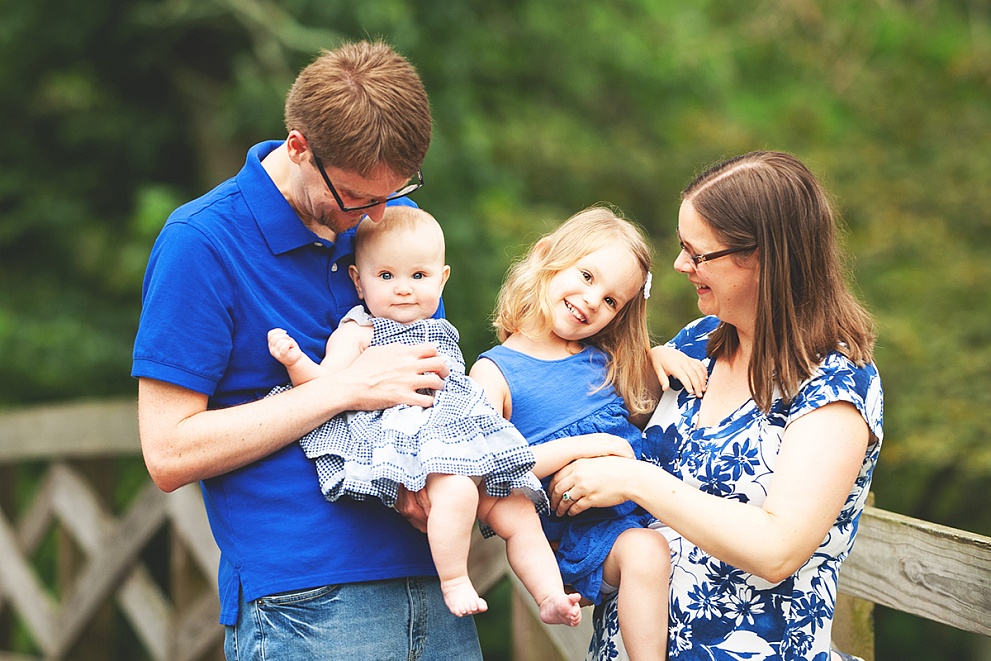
column 853, row 620
column 530, row 643
column 853, row 626
column 187, row 587
column 8, row 475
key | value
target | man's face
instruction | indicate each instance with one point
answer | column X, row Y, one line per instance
column 353, row 189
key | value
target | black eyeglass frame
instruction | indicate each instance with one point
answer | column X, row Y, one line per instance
column 709, row 256
column 402, row 192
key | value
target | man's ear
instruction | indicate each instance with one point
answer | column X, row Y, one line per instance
column 297, row 146
column 356, row 279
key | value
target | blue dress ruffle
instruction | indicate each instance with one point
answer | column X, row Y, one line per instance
column 587, row 538
column 565, row 397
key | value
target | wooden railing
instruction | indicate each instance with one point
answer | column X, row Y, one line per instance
column 74, row 564
column 99, row 553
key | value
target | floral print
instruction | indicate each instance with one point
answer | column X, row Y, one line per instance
column 719, row 612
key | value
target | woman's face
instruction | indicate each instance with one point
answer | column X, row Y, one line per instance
column 726, row 286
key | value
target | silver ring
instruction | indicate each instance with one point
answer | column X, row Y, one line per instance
column 566, row 495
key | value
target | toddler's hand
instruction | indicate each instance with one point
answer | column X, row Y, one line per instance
column 602, row 444
column 691, row 372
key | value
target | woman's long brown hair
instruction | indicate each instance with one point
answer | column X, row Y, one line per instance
column 805, row 308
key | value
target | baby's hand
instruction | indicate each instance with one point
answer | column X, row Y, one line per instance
column 691, row 372
column 282, row 347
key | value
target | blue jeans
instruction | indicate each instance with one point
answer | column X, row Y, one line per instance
column 397, row 620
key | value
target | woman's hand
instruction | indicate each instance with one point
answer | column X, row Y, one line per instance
column 592, row 482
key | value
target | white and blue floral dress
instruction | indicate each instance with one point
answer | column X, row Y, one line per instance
column 371, row 453
column 719, row 612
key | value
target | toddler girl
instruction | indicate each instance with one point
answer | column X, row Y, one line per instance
column 573, row 365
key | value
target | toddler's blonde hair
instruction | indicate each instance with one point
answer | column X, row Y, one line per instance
column 523, row 305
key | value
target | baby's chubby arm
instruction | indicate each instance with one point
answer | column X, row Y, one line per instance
column 343, row 346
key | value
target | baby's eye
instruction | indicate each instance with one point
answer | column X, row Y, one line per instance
column 419, row 276
column 586, row 275
column 386, row 276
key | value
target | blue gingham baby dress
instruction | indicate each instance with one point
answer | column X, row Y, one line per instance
column 370, row 453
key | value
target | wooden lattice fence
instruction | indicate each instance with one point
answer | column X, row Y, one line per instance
column 99, row 553
column 102, row 552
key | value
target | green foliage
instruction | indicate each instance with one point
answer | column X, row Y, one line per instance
column 116, row 112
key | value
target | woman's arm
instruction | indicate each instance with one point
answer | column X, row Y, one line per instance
column 820, row 457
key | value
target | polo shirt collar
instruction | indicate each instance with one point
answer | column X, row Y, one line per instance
column 277, row 220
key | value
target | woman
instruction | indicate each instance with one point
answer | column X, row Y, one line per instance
column 762, row 481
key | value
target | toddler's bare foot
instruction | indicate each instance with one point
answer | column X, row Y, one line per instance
column 561, row 609
column 461, row 598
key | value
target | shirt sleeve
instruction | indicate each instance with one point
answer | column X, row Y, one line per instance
column 838, row 379
column 187, row 321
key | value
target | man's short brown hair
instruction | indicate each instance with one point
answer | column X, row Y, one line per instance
column 360, row 106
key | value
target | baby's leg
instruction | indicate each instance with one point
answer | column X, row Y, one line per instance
column 285, row 350
column 639, row 564
column 453, row 502
column 514, row 519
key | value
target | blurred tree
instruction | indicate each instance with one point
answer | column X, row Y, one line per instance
column 117, row 111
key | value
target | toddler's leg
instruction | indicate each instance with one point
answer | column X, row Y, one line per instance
column 453, row 502
column 514, row 519
column 285, row 350
column 639, row 564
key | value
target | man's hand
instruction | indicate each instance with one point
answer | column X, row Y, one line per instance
column 415, row 506
column 383, row 376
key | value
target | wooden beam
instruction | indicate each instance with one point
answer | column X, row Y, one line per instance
column 70, row 431
column 921, row 568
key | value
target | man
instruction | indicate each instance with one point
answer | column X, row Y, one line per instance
column 270, row 248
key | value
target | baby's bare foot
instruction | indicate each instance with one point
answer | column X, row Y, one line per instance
column 561, row 609
column 461, row 598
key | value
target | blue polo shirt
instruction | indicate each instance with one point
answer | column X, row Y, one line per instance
column 226, row 268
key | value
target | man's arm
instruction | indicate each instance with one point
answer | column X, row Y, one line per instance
column 183, row 442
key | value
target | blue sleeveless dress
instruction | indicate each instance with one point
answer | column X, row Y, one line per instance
column 370, row 453
column 558, row 398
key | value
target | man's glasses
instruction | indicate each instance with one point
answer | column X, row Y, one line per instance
column 402, row 192
column 709, row 256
